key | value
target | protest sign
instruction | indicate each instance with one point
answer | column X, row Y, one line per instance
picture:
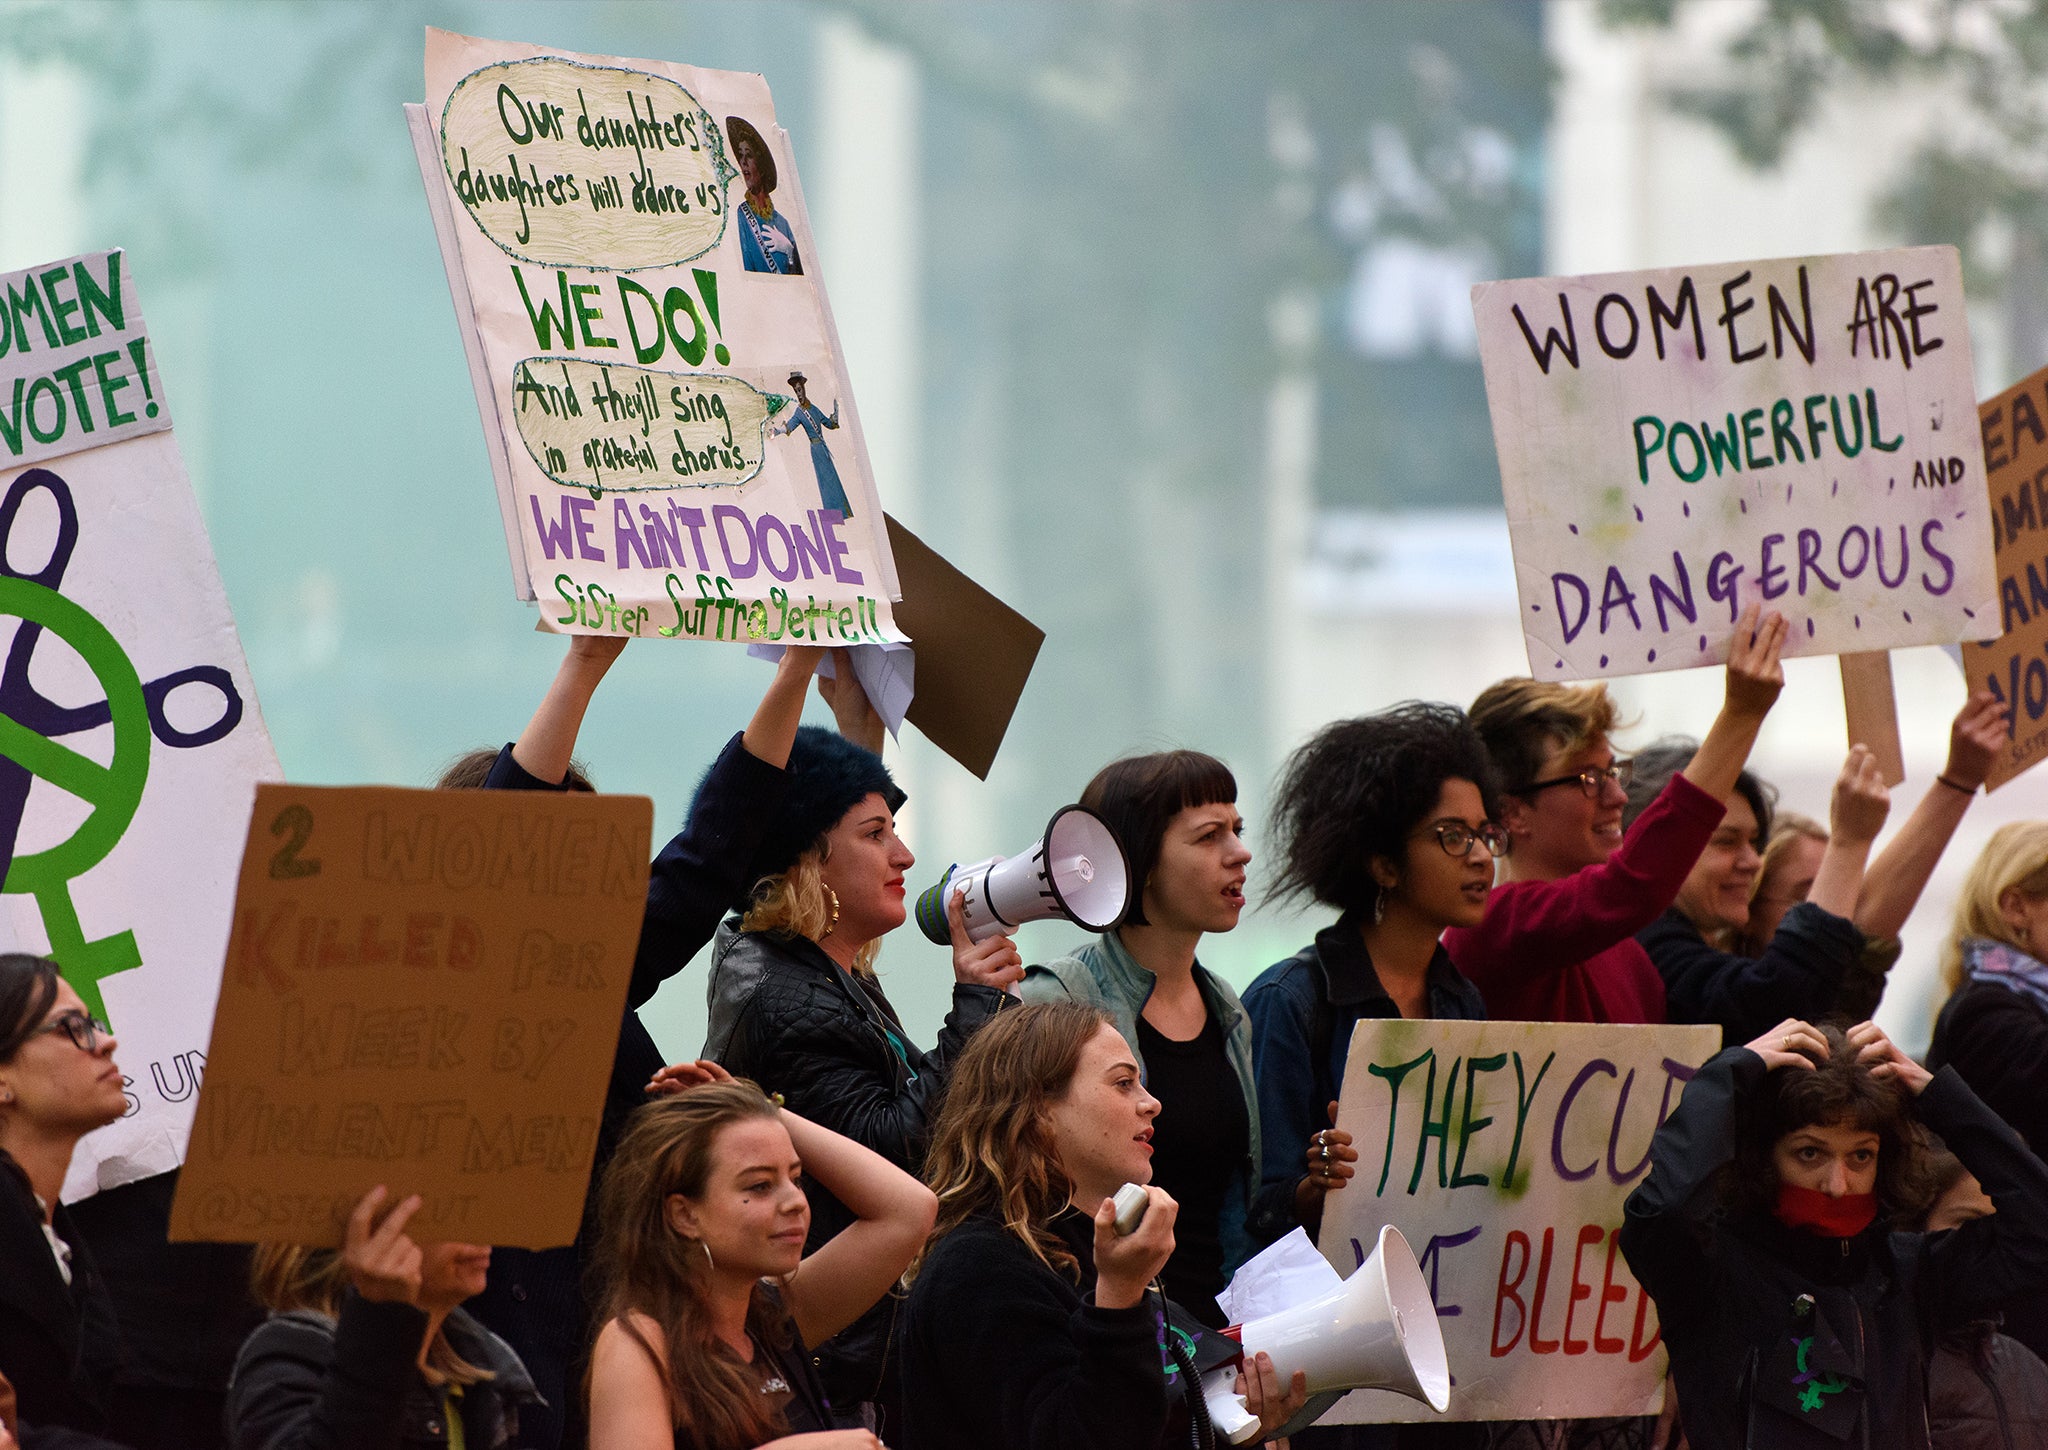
column 674, row 436
column 423, row 990
column 2014, row 428
column 130, row 740
column 1503, row 1151
column 1675, row 444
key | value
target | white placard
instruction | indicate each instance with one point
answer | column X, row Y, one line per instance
column 1675, row 444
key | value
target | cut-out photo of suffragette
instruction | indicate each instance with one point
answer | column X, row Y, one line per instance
column 831, row 494
column 766, row 242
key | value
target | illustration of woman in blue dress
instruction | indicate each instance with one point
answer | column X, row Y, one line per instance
column 831, row 494
column 766, row 242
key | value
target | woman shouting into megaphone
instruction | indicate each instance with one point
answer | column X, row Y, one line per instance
column 795, row 1005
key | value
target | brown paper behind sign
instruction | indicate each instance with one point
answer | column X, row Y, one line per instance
column 423, row 990
column 2015, row 429
column 974, row 653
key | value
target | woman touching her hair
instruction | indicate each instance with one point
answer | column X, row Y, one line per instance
column 796, row 1006
column 708, row 1303
column 1772, row 1231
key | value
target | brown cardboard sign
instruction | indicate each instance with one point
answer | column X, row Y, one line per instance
column 974, row 653
column 423, row 989
column 2015, row 668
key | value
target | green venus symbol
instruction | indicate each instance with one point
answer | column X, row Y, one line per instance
column 113, row 791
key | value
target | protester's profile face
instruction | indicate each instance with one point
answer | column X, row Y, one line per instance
column 58, row 1085
column 451, row 1273
column 1964, row 1201
column 1102, row 1125
column 1560, row 829
column 1198, row 882
column 864, row 864
column 752, row 1215
column 1716, row 894
column 1787, row 882
column 1831, row 1158
column 1442, row 888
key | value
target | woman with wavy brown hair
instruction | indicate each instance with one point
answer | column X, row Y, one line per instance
column 707, row 1302
column 1031, row 1322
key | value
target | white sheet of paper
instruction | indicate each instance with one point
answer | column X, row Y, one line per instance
column 888, row 672
column 1287, row 1272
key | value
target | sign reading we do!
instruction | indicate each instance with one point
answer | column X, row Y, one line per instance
column 1503, row 1152
column 1677, row 444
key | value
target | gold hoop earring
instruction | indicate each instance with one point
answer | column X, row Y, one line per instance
column 832, row 897
column 709, row 1261
column 1379, row 907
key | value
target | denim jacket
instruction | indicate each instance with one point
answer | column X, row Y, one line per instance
column 1302, row 1012
column 1103, row 974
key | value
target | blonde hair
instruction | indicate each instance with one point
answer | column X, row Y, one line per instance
column 797, row 902
column 291, row 1276
column 992, row 1147
column 1521, row 719
column 2014, row 859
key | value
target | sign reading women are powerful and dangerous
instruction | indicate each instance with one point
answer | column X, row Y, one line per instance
column 1676, row 444
column 1503, row 1152
column 675, row 441
column 130, row 741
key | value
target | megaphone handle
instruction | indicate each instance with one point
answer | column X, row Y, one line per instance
column 1203, row 1428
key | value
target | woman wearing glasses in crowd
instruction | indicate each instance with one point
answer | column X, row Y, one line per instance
column 58, row 1082
column 1557, row 943
column 1388, row 820
column 1176, row 815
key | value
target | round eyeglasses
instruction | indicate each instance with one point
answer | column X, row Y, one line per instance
column 1589, row 780
column 84, row 1031
column 1456, row 837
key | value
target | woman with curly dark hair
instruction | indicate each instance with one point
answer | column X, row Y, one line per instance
column 1774, row 1233
column 1388, row 820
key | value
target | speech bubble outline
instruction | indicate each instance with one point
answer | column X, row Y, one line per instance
column 586, row 248
column 584, row 371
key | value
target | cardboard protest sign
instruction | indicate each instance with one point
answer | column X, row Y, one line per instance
column 1677, row 443
column 974, row 654
column 2014, row 429
column 423, row 989
column 1504, row 1151
column 130, row 739
column 676, row 443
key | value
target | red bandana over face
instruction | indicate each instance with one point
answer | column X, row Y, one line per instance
column 1837, row 1218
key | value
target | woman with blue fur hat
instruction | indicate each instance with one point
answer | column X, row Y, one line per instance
column 796, row 1007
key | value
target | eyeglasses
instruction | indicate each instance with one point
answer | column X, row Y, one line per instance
column 85, row 1032
column 1456, row 837
column 1589, row 780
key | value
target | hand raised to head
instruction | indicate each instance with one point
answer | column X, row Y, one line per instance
column 1780, row 1047
column 1886, row 1059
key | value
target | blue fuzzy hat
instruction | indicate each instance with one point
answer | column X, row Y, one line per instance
column 827, row 776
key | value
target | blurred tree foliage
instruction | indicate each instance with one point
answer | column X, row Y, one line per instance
column 1978, row 176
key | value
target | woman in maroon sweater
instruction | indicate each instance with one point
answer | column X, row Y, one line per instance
column 1557, row 943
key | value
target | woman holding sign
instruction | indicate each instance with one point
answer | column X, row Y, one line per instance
column 796, row 1007
column 1771, row 1232
column 1557, row 943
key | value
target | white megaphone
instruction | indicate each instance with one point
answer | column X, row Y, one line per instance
column 1077, row 870
column 1376, row 1330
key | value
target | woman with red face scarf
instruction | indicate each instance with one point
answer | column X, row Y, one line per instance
column 1772, row 1233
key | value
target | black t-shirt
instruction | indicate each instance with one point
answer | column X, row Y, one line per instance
column 1199, row 1143
column 781, row 1367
